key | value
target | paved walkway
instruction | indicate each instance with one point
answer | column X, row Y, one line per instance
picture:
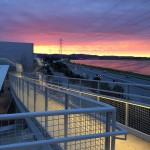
column 132, row 143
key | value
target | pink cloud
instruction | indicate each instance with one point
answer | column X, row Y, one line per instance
column 81, row 24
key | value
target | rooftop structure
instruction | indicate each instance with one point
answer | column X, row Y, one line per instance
column 18, row 53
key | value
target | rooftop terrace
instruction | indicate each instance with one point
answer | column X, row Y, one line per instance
column 62, row 119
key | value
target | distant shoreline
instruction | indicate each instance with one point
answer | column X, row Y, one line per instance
column 95, row 57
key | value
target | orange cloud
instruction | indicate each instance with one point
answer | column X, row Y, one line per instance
column 118, row 48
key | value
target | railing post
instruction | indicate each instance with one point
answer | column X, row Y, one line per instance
column 42, row 79
column 126, row 114
column 23, row 91
column 107, row 139
column 15, row 85
column 98, row 87
column 46, row 99
column 80, row 85
column 66, row 120
column 68, row 82
column 58, row 82
column 28, row 95
column 51, row 80
column 127, row 91
column 98, row 98
column 34, row 90
column 66, row 101
column 46, row 108
column 19, row 86
column 113, row 129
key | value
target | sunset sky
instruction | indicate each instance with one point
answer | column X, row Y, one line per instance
column 101, row 27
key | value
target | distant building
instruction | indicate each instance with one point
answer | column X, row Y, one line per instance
column 18, row 53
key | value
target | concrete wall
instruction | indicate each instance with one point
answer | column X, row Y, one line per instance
column 18, row 53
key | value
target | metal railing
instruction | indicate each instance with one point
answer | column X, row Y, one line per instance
column 128, row 91
column 58, row 119
column 65, row 129
column 129, row 113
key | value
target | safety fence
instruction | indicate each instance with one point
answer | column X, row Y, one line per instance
column 129, row 113
column 127, row 91
column 57, row 120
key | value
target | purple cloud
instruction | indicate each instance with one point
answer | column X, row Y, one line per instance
column 75, row 20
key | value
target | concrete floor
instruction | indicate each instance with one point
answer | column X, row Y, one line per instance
column 132, row 143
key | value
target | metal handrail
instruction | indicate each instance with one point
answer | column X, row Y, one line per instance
column 125, row 94
column 56, row 112
column 120, row 131
column 145, row 85
column 105, row 112
column 8, row 61
column 122, row 105
column 101, row 96
column 60, row 140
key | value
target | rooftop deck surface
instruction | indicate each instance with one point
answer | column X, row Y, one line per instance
column 132, row 142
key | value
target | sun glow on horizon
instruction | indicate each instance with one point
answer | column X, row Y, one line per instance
column 117, row 48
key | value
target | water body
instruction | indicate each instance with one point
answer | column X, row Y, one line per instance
column 136, row 66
